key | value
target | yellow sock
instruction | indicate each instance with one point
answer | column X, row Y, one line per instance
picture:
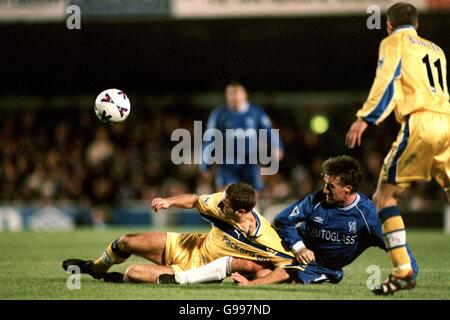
column 395, row 238
column 111, row 256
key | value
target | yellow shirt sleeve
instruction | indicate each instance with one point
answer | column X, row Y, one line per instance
column 208, row 204
column 381, row 100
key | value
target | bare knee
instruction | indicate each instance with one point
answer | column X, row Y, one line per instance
column 145, row 273
column 386, row 197
column 149, row 245
column 137, row 273
column 131, row 273
column 126, row 242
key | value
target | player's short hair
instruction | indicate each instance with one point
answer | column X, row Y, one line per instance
column 402, row 13
column 346, row 167
column 235, row 83
column 241, row 196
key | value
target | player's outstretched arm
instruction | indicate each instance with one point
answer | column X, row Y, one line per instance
column 185, row 201
column 276, row 276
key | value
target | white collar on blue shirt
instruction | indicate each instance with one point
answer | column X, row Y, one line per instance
column 353, row 204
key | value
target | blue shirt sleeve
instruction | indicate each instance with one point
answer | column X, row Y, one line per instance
column 286, row 221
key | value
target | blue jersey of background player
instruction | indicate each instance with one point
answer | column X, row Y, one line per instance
column 238, row 113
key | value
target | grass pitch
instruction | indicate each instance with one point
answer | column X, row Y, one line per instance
column 30, row 264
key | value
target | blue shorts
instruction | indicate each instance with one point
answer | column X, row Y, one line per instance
column 243, row 173
column 314, row 273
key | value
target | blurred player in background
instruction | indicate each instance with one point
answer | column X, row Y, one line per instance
column 238, row 230
column 326, row 231
column 410, row 79
column 238, row 113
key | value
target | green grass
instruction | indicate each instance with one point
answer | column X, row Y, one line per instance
column 30, row 264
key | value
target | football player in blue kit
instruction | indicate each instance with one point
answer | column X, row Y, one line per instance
column 240, row 123
column 326, row 231
column 337, row 224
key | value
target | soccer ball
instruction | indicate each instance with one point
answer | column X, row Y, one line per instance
column 112, row 106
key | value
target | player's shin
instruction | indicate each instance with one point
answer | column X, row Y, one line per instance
column 111, row 256
column 395, row 239
column 214, row 271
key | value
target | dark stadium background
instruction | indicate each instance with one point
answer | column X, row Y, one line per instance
column 191, row 56
column 51, row 75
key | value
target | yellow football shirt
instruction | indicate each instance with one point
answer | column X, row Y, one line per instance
column 411, row 76
column 227, row 238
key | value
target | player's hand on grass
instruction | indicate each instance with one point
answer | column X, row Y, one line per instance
column 160, row 203
column 305, row 256
column 354, row 134
column 240, row 279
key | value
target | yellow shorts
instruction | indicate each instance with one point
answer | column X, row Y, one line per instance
column 421, row 151
column 184, row 250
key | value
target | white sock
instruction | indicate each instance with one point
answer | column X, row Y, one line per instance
column 216, row 270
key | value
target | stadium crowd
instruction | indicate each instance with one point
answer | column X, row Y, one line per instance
column 66, row 155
